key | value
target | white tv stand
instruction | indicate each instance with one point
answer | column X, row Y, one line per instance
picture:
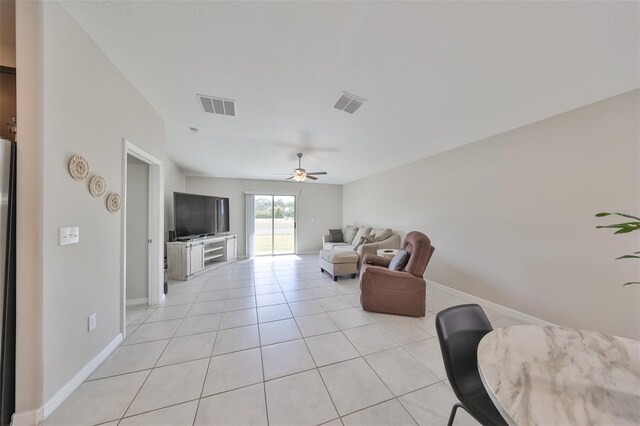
column 187, row 258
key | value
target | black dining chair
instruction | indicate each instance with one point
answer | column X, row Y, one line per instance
column 460, row 329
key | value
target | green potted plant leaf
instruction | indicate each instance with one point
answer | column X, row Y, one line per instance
column 623, row 228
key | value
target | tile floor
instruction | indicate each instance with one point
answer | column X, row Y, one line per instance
column 270, row 341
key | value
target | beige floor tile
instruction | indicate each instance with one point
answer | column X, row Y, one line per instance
column 176, row 415
column 236, row 339
column 232, row 371
column 268, row 288
column 305, row 307
column 286, row 358
column 242, row 407
column 353, row 385
column 188, row 348
column 390, row 413
column 98, row 401
column 369, row 339
column 403, row 331
column 240, row 303
column 349, row 318
column 432, row 405
column 179, row 299
column 334, row 303
column 200, row 324
column 301, row 399
column 313, row 325
column 127, row 359
column 170, row 385
column 331, row 348
column 278, row 331
column 238, row 318
column 206, row 308
column 152, row 331
column 427, row 352
column 168, row 313
column 210, row 296
column 270, row 299
column 426, row 323
column 274, row 313
column 240, row 292
column 400, row 371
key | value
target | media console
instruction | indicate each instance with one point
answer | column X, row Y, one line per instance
column 187, row 258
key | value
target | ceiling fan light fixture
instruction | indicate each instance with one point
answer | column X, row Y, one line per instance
column 299, row 177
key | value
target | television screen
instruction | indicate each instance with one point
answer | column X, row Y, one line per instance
column 222, row 215
column 194, row 214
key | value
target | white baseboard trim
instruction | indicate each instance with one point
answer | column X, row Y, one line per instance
column 27, row 418
column 142, row 301
column 51, row 405
column 526, row 318
column 308, row 252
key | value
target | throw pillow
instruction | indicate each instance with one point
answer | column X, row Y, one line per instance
column 399, row 261
column 361, row 233
column 349, row 233
column 336, row 235
column 381, row 234
column 363, row 240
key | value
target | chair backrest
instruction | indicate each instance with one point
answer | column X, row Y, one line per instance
column 460, row 329
column 420, row 250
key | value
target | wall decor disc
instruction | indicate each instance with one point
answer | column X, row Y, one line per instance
column 113, row 202
column 78, row 167
column 97, row 186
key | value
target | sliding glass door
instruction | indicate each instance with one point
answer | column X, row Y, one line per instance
column 275, row 224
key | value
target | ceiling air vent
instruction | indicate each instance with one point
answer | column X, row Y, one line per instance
column 214, row 105
column 349, row 103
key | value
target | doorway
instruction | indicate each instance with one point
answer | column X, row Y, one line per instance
column 142, row 174
column 137, row 273
column 275, row 224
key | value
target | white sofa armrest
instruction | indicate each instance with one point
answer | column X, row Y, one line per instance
column 393, row 242
column 326, row 238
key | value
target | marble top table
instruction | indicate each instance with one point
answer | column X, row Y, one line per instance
column 539, row 375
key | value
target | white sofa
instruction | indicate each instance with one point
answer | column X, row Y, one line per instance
column 391, row 242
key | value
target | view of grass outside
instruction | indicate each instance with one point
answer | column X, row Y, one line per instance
column 278, row 231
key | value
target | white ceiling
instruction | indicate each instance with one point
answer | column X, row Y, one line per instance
column 436, row 74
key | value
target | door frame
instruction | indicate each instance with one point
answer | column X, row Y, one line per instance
column 156, row 228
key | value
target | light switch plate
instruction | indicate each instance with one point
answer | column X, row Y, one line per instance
column 68, row 235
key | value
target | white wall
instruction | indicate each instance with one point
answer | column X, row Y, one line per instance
column 137, row 229
column 512, row 220
column 319, row 205
column 174, row 181
column 78, row 104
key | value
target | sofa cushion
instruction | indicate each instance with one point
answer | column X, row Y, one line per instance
column 336, row 235
column 399, row 261
column 381, row 234
column 339, row 256
column 361, row 233
column 336, row 246
column 365, row 239
column 348, row 233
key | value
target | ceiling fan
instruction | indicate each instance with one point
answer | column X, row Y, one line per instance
column 301, row 174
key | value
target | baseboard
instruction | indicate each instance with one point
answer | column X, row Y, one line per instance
column 142, row 301
column 529, row 319
column 51, row 405
column 308, row 252
column 27, row 418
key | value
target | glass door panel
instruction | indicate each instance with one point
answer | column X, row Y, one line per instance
column 284, row 224
column 275, row 224
column 263, row 225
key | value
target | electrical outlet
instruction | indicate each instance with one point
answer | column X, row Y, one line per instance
column 92, row 322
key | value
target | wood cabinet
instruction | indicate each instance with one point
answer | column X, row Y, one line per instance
column 187, row 258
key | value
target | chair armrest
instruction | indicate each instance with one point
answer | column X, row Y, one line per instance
column 383, row 278
column 372, row 259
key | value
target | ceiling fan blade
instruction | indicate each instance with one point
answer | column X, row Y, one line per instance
column 311, row 177
column 290, row 177
column 316, row 173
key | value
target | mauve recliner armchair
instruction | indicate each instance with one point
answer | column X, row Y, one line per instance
column 397, row 292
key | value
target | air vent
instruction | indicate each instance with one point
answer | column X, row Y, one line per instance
column 349, row 103
column 214, row 105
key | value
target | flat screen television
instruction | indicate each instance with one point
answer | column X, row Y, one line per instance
column 199, row 215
